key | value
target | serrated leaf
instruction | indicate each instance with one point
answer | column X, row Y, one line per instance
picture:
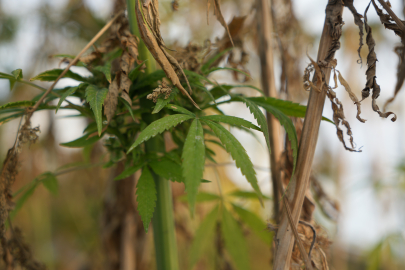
column 179, row 109
column 130, row 171
column 50, row 182
column 158, row 127
column 18, row 75
column 259, row 116
column 288, row 125
column 162, row 102
column 235, row 243
column 52, row 75
column 220, row 91
column 146, row 197
column 238, row 153
column 96, row 96
column 203, row 237
column 255, row 223
column 82, row 141
column 193, row 161
column 18, row 104
column 231, row 120
column 106, row 69
column 167, row 169
column 65, row 95
column 287, row 107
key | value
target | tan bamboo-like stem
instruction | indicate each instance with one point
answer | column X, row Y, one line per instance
column 265, row 29
column 309, row 138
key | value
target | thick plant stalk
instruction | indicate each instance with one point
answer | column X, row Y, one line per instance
column 297, row 188
column 163, row 220
column 265, row 29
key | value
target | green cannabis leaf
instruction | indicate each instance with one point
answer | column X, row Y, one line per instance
column 231, row 120
column 203, row 236
column 238, row 153
column 193, row 161
column 96, row 96
column 235, row 243
column 146, row 197
column 158, row 127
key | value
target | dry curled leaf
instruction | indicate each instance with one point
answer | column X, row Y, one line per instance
column 371, row 83
column 352, row 96
column 359, row 23
column 149, row 27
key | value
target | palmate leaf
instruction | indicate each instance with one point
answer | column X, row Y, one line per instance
column 255, row 223
column 158, row 127
column 52, row 75
column 146, row 197
column 235, row 243
column 96, row 96
column 193, row 161
column 238, row 153
column 231, row 120
column 203, row 237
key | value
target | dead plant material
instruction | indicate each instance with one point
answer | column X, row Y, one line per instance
column 359, row 23
column 392, row 22
column 328, row 206
column 175, row 5
column 220, row 17
column 111, row 100
column 337, row 107
column 20, row 252
column 371, row 83
column 352, row 96
column 163, row 89
column 189, row 56
column 238, row 57
column 149, row 28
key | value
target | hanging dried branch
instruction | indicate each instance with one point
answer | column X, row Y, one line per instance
column 220, row 17
column 359, row 23
column 147, row 16
column 371, row 83
column 393, row 23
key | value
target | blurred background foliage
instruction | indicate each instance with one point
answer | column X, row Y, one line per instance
column 64, row 229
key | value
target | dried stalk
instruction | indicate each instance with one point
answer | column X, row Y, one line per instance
column 268, row 84
column 296, row 191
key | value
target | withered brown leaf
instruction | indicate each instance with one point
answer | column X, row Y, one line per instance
column 149, row 23
column 110, row 103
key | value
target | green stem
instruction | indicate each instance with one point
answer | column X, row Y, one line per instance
column 144, row 53
column 163, row 220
